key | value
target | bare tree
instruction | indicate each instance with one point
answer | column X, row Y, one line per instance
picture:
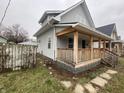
column 15, row 34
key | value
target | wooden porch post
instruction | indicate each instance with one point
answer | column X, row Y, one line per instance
column 76, row 47
column 99, row 43
column 104, row 45
column 67, row 42
column 100, row 47
column 91, row 45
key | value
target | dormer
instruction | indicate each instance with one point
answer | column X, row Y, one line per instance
column 48, row 15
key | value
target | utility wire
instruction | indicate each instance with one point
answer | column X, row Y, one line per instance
column 5, row 12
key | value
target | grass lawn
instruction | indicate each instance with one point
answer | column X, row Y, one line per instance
column 116, row 85
column 39, row 80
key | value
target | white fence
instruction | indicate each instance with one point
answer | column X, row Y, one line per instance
column 15, row 57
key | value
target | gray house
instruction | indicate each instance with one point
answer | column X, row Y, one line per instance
column 68, row 37
column 3, row 39
column 116, row 43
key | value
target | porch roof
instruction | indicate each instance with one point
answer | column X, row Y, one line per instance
column 86, row 30
column 118, row 41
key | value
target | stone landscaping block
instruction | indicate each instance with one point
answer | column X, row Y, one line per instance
column 79, row 89
column 3, row 91
column 112, row 72
column 66, row 84
column 100, row 82
column 90, row 88
column 49, row 68
column 44, row 65
column 106, row 76
column 50, row 73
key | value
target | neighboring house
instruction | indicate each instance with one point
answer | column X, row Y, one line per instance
column 29, row 42
column 3, row 39
column 68, row 37
column 116, row 43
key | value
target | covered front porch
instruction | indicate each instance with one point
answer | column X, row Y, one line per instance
column 80, row 46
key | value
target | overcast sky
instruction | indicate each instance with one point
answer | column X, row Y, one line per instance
column 28, row 12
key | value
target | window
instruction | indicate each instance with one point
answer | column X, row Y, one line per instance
column 83, row 44
column 107, row 45
column 49, row 43
column 70, row 43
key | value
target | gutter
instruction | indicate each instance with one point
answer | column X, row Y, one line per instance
column 42, row 29
column 46, row 27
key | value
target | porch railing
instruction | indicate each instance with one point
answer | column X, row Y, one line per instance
column 84, row 54
column 66, row 54
column 110, row 58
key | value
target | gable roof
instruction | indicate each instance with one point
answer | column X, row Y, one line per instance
column 58, row 17
column 58, row 13
column 69, row 9
column 108, row 29
column 50, row 12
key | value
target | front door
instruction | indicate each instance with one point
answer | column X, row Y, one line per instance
column 83, row 44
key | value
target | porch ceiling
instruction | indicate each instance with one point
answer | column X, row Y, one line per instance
column 90, row 31
column 84, row 30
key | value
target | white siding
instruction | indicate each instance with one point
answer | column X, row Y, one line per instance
column 43, row 43
column 59, row 29
column 114, row 35
column 61, row 42
column 79, row 14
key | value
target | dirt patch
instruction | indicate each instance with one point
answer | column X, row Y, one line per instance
column 65, row 75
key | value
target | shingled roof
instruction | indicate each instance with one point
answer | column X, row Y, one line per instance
column 50, row 12
column 108, row 29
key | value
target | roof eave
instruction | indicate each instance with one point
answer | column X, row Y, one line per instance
column 69, row 9
column 91, row 31
column 41, row 30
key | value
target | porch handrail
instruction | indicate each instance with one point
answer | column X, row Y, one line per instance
column 112, row 52
column 110, row 58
